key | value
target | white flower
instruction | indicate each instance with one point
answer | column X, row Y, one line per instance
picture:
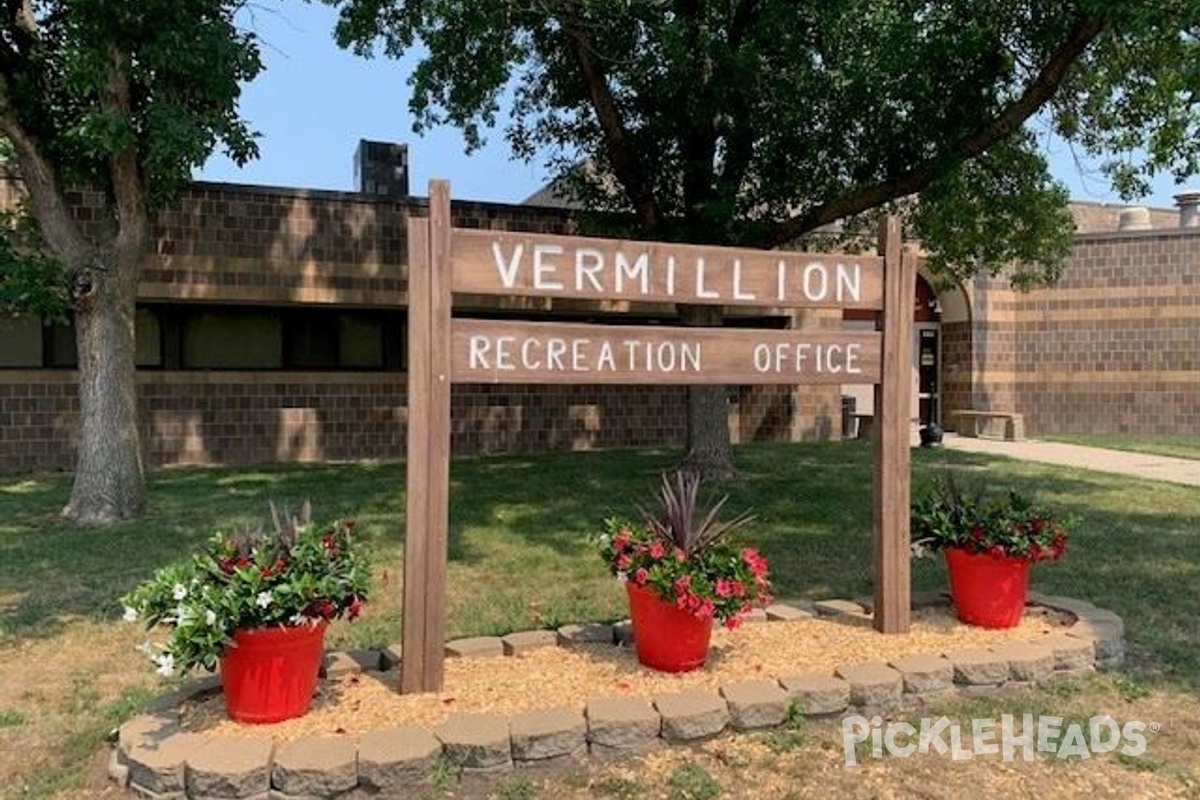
column 210, row 617
column 263, row 600
column 130, row 614
column 605, row 539
column 183, row 615
column 166, row 665
column 296, row 619
column 622, row 577
column 179, row 592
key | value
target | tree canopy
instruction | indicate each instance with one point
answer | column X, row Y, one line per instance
column 757, row 122
column 121, row 99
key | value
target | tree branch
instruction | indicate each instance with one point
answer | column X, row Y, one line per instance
column 699, row 140
column 41, row 182
column 128, row 190
column 860, row 198
column 616, row 138
column 743, row 17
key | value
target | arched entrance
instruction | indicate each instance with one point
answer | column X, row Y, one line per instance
column 926, row 402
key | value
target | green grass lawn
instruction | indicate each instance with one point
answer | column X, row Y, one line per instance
column 1174, row 446
column 519, row 555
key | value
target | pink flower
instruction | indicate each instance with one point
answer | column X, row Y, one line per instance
column 680, row 556
column 641, row 576
column 657, row 550
column 682, row 584
column 623, row 562
column 756, row 563
column 724, row 588
column 733, row 622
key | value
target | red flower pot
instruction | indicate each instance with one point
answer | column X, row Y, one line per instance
column 270, row 674
column 664, row 637
column 987, row 590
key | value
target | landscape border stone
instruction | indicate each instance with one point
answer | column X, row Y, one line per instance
column 155, row 757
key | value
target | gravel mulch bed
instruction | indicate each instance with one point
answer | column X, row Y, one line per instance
column 558, row 676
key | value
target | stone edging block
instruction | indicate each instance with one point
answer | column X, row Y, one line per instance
column 694, row 714
column 524, row 641
column 476, row 741
column 155, row 757
column 872, row 685
column 925, row 674
column 389, row 760
column 622, row 723
column 755, row 704
column 232, row 767
column 316, row 767
column 979, row 667
column 545, row 734
column 817, row 694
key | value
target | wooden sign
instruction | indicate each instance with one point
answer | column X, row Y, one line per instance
column 443, row 351
column 490, row 351
column 491, row 262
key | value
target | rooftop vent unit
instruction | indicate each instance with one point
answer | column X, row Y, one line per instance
column 1189, row 208
column 381, row 168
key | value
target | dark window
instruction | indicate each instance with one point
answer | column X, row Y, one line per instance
column 265, row 338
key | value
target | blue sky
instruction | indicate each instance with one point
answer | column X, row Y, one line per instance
column 314, row 102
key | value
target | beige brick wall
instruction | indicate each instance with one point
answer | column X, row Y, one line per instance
column 1113, row 349
column 251, row 245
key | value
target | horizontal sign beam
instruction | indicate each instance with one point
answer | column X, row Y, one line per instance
column 502, row 351
column 494, row 262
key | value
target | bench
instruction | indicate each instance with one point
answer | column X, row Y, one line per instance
column 977, row 423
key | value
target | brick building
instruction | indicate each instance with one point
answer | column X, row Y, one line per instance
column 270, row 327
column 271, row 322
column 1113, row 348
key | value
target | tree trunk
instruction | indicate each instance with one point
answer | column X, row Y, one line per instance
column 708, row 449
column 109, row 480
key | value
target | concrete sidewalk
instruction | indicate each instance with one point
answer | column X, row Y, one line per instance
column 1139, row 465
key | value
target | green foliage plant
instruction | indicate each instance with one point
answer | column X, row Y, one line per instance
column 296, row 574
column 682, row 553
column 1006, row 524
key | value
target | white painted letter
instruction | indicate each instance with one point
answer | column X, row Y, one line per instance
column 701, row 289
column 691, row 357
column 578, row 353
column 666, row 357
column 478, row 352
column 527, row 360
column 542, row 267
column 583, row 270
column 639, row 270
column 555, row 350
column 816, row 269
column 849, row 284
column 762, row 357
column 852, row 364
column 504, row 352
column 606, row 360
column 508, row 271
column 738, row 294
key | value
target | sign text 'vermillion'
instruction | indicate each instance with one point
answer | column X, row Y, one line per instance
column 549, row 266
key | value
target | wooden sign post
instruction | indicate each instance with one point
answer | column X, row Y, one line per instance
column 442, row 351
